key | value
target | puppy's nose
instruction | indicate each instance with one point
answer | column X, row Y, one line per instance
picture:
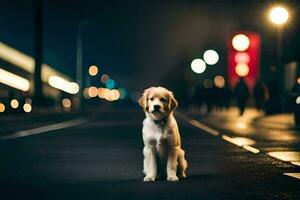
column 156, row 107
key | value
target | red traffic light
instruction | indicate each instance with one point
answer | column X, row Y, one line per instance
column 244, row 57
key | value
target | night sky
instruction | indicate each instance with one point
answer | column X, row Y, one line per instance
column 139, row 42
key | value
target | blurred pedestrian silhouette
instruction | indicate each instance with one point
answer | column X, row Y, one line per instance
column 296, row 103
column 274, row 103
column 242, row 94
column 222, row 98
column 209, row 99
column 259, row 94
column 226, row 95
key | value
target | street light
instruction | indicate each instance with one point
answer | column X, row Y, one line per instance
column 279, row 16
column 79, row 60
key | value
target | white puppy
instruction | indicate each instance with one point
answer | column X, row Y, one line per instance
column 161, row 135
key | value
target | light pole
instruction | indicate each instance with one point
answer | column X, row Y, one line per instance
column 38, row 91
column 79, row 63
column 279, row 16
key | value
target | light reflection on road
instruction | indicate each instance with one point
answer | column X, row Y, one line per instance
column 286, row 155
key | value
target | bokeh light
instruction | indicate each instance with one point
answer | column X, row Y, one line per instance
column 113, row 95
column 27, row 107
column 219, row 81
column 279, row 15
column 2, row 107
column 242, row 57
column 211, row 57
column 123, row 93
column 298, row 100
column 110, row 84
column 66, row 103
column 102, row 92
column 14, row 80
column 198, row 66
column 93, row 70
column 93, row 91
column 242, row 69
column 208, row 83
column 298, row 80
column 14, row 103
column 109, row 95
column 240, row 42
column 74, row 87
column 63, row 84
column 104, row 78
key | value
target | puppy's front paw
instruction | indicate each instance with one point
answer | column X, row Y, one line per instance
column 172, row 178
column 149, row 179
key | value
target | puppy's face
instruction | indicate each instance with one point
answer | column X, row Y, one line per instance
column 158, row 102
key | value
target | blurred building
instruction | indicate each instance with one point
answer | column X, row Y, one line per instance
column 17, row 78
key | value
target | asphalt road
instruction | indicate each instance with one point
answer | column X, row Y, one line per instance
column 101, row 158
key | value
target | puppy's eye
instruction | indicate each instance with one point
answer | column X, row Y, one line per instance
column 163, row 100
column 151, row 99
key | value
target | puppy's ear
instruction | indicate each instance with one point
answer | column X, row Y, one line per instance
column 172, row 102
column 143, row 100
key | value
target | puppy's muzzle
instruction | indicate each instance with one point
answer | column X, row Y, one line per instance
column 156, row 108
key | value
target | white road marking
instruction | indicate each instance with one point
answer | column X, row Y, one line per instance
column 251, row 149
column 239, row 141
column 294, row 175
column 204, row 127
column 288, row 156
column 296, row 163
column 291, row 156
column 228, row 139
column 199, row 125
column 44, row 129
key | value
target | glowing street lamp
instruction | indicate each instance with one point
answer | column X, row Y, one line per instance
column 279, row 16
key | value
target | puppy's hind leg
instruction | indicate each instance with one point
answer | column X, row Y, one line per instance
column 182, row 163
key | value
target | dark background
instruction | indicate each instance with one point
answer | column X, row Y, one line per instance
column 141, row 42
